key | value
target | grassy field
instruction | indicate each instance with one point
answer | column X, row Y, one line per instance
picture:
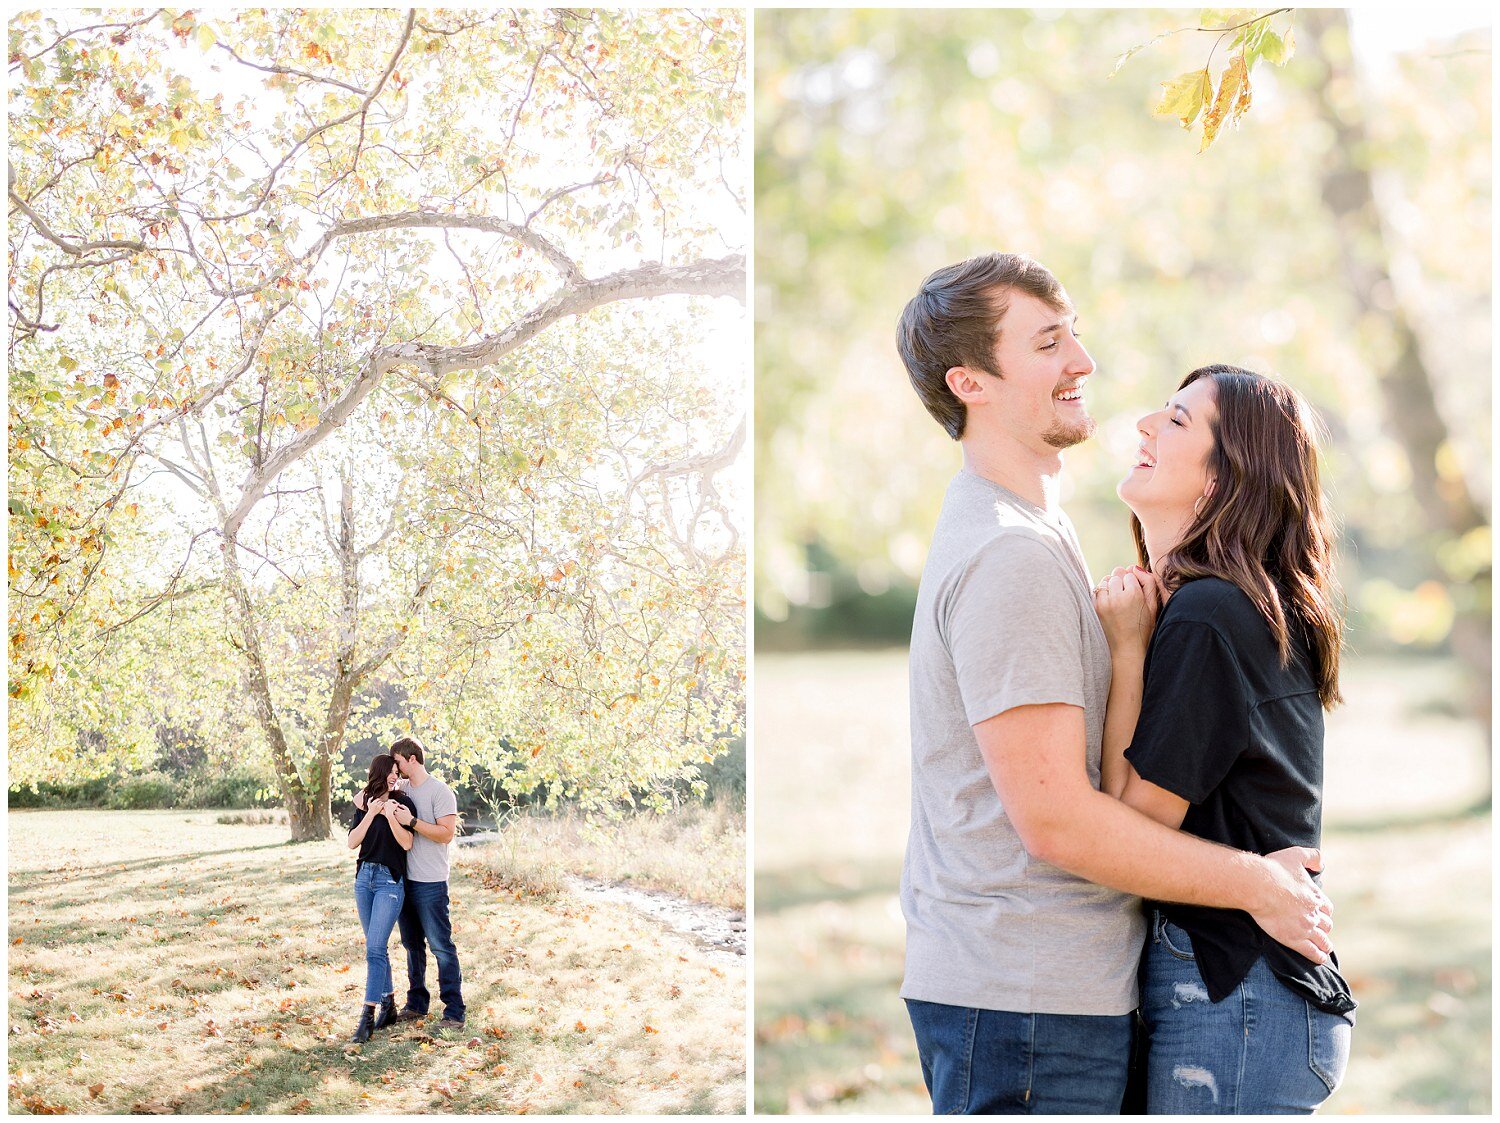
column 165, row 962
column 1408, row 871
column 697, row 852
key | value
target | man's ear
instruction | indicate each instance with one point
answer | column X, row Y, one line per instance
column 965, row 384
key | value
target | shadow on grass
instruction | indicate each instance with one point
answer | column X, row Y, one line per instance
column 32, row 879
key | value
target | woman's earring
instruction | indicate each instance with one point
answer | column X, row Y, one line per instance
column 1198, row 506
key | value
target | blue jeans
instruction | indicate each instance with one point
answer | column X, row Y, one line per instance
column 424, row 922
column 378, row 897
column 1263, row 1050
column 991, row 1062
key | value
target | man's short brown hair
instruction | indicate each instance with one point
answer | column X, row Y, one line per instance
column 408, row 747
column 954, row 321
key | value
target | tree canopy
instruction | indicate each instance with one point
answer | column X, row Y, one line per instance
column 368, row 346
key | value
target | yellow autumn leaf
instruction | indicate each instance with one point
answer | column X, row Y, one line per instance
column 1229, row 88
column 1183, row 97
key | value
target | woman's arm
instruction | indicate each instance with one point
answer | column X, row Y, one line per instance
column 1118, row 777
column 357, row 835
column 1126, row 682
column 1127, row 602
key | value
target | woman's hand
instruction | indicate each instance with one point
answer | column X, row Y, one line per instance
column 1127, row 602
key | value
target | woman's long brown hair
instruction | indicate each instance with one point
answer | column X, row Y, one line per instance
column 1266, row 527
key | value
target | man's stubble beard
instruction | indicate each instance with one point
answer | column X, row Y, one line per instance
column 1062, row 436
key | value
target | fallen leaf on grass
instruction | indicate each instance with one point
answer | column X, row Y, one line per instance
column 38, row 1106
column 95, row 1091
column 579, row 1027
column 651, row 1029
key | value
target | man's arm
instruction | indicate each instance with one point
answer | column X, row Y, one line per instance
column 441, row 832
column 1035, row 759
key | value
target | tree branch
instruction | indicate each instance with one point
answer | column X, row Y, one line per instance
column 712, row 277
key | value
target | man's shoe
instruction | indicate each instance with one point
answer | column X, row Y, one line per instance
column 387, row 1014
column 366, row 1025
column 407, row 1014
column 448, row 1023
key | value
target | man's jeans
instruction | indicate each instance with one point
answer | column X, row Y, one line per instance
column 1263, row 1050
column 991, row 1062
column 377, row 896
column 424, row 921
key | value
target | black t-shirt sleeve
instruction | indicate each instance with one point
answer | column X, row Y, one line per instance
column 1195, row 712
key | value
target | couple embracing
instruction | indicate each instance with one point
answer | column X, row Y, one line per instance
column 1116, row 787
column 402, row 823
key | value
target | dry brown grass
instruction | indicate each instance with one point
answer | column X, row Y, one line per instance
column 161, row 961
column 697, row 852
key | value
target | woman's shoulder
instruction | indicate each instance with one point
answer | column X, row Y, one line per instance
column 1213, row 600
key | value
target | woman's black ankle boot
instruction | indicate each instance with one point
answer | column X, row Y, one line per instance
column 366, row 1025
column 387, row 1013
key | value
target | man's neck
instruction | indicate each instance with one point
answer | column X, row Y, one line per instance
column 1035, row 477
column 418, row 776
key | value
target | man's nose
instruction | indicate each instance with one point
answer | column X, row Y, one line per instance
column 1080, row 363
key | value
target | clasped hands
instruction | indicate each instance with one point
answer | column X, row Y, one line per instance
column 396, row 812
column 1127, row 602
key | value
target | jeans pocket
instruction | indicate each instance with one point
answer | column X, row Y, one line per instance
column 1175, row 940
column 1328, row 1037
column 945, row 1046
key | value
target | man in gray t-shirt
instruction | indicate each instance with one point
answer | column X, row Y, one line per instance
column 424, row 918
column 1022, row 880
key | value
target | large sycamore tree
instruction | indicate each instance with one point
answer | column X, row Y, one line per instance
column 354, row 351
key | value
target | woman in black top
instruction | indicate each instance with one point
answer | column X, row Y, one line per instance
column 1219, row 697
column 379, row 886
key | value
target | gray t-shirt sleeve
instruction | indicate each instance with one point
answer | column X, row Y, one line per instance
column 444, row 802
column 1012, row 625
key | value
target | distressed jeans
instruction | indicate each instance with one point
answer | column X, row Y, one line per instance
column 1263, row 1050
column 378, row 897
column 991, row 1062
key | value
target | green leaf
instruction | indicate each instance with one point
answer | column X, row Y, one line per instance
column 1184, row 96
column 1276, row 50
column 204, row 37
column 68, row 363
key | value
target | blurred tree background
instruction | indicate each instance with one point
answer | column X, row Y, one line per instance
column 1338, row 236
